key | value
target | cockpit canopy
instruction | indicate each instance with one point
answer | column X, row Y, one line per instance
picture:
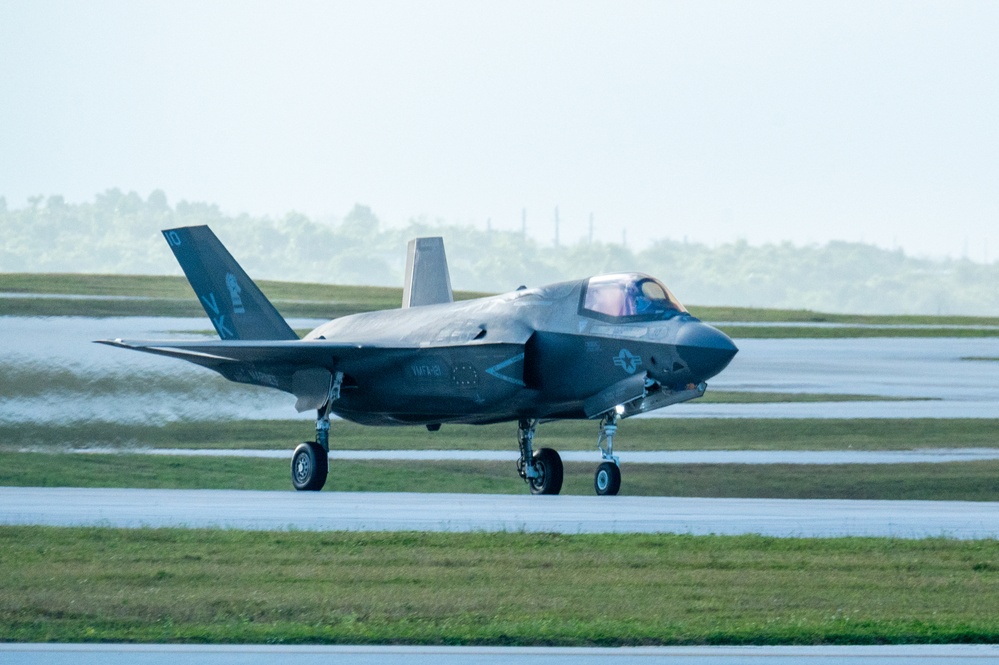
column 628, row 297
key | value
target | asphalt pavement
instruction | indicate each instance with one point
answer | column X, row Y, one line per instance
column 397, row 511
column 169, row 654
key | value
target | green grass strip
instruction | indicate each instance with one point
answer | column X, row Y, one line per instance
column 954, row 481
column 172, row 296
column 633, row 434
column 169, row 585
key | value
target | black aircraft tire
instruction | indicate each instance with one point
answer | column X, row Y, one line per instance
column 309, row 467
column 549, row 465
column 607, row 481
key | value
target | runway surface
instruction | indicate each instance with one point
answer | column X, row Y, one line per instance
column 168, row 654
column 925, row 456
column 100, row 383
column 370, row 511
column 892, row 367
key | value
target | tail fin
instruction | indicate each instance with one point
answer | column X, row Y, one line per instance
column 427, row 278
column 236, row 306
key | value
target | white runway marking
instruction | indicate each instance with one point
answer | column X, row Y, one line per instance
column 370, row 511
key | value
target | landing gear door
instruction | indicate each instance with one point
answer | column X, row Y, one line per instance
column 622, row 392
column 311, row 387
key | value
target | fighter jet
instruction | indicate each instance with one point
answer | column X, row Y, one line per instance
column 603, row 349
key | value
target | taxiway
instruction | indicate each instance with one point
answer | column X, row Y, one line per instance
column 375, row 511
column 250, row 654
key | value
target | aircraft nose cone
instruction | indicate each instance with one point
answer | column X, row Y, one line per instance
column 706, row 350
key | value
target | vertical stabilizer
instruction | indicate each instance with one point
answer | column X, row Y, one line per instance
column 237, row 307
column 427, row 278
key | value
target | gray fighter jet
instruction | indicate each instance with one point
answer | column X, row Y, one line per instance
column 603, row 348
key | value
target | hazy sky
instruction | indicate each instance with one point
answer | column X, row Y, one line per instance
column 768, row 121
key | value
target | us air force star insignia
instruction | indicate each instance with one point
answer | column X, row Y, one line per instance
column 627, row 361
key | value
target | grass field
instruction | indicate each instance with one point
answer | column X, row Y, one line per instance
column 958, row 481
column 163, row 585
column 634, row 434
column 172, row 296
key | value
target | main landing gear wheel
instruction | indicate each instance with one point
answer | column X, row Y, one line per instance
column 607, row 480
column 548, row 465
column 309, row 467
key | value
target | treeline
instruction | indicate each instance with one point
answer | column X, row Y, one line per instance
column 119, row 233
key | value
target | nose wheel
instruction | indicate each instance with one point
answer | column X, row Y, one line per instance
column 607, row 480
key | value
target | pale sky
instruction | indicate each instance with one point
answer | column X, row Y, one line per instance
column 767, row 121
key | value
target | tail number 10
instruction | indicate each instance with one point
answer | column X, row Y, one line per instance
column 173, row 238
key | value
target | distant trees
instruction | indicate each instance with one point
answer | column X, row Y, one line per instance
column 119, row 232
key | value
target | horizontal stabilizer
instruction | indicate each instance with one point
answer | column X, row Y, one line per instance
column 427, row 279
column 236, row 306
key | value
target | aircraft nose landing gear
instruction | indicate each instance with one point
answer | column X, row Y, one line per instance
column 543, row 469
column 607, row 480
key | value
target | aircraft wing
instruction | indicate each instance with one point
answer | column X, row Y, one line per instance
column 212, row 353
column 303, row 368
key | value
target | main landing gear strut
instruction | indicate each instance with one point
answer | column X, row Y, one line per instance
column 542, row 469
column 310, row 464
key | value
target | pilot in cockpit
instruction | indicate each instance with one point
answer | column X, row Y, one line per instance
column 629, row 295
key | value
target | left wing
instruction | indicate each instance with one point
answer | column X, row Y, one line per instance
column 302, row 368
column 216, row 353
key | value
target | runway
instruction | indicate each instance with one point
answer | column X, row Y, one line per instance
column 94, row 382
column 370, row 511
column 251, row 654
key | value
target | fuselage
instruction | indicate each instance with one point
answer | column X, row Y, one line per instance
column 534, row 353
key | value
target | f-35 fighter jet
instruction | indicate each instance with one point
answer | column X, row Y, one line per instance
column 603, row 348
